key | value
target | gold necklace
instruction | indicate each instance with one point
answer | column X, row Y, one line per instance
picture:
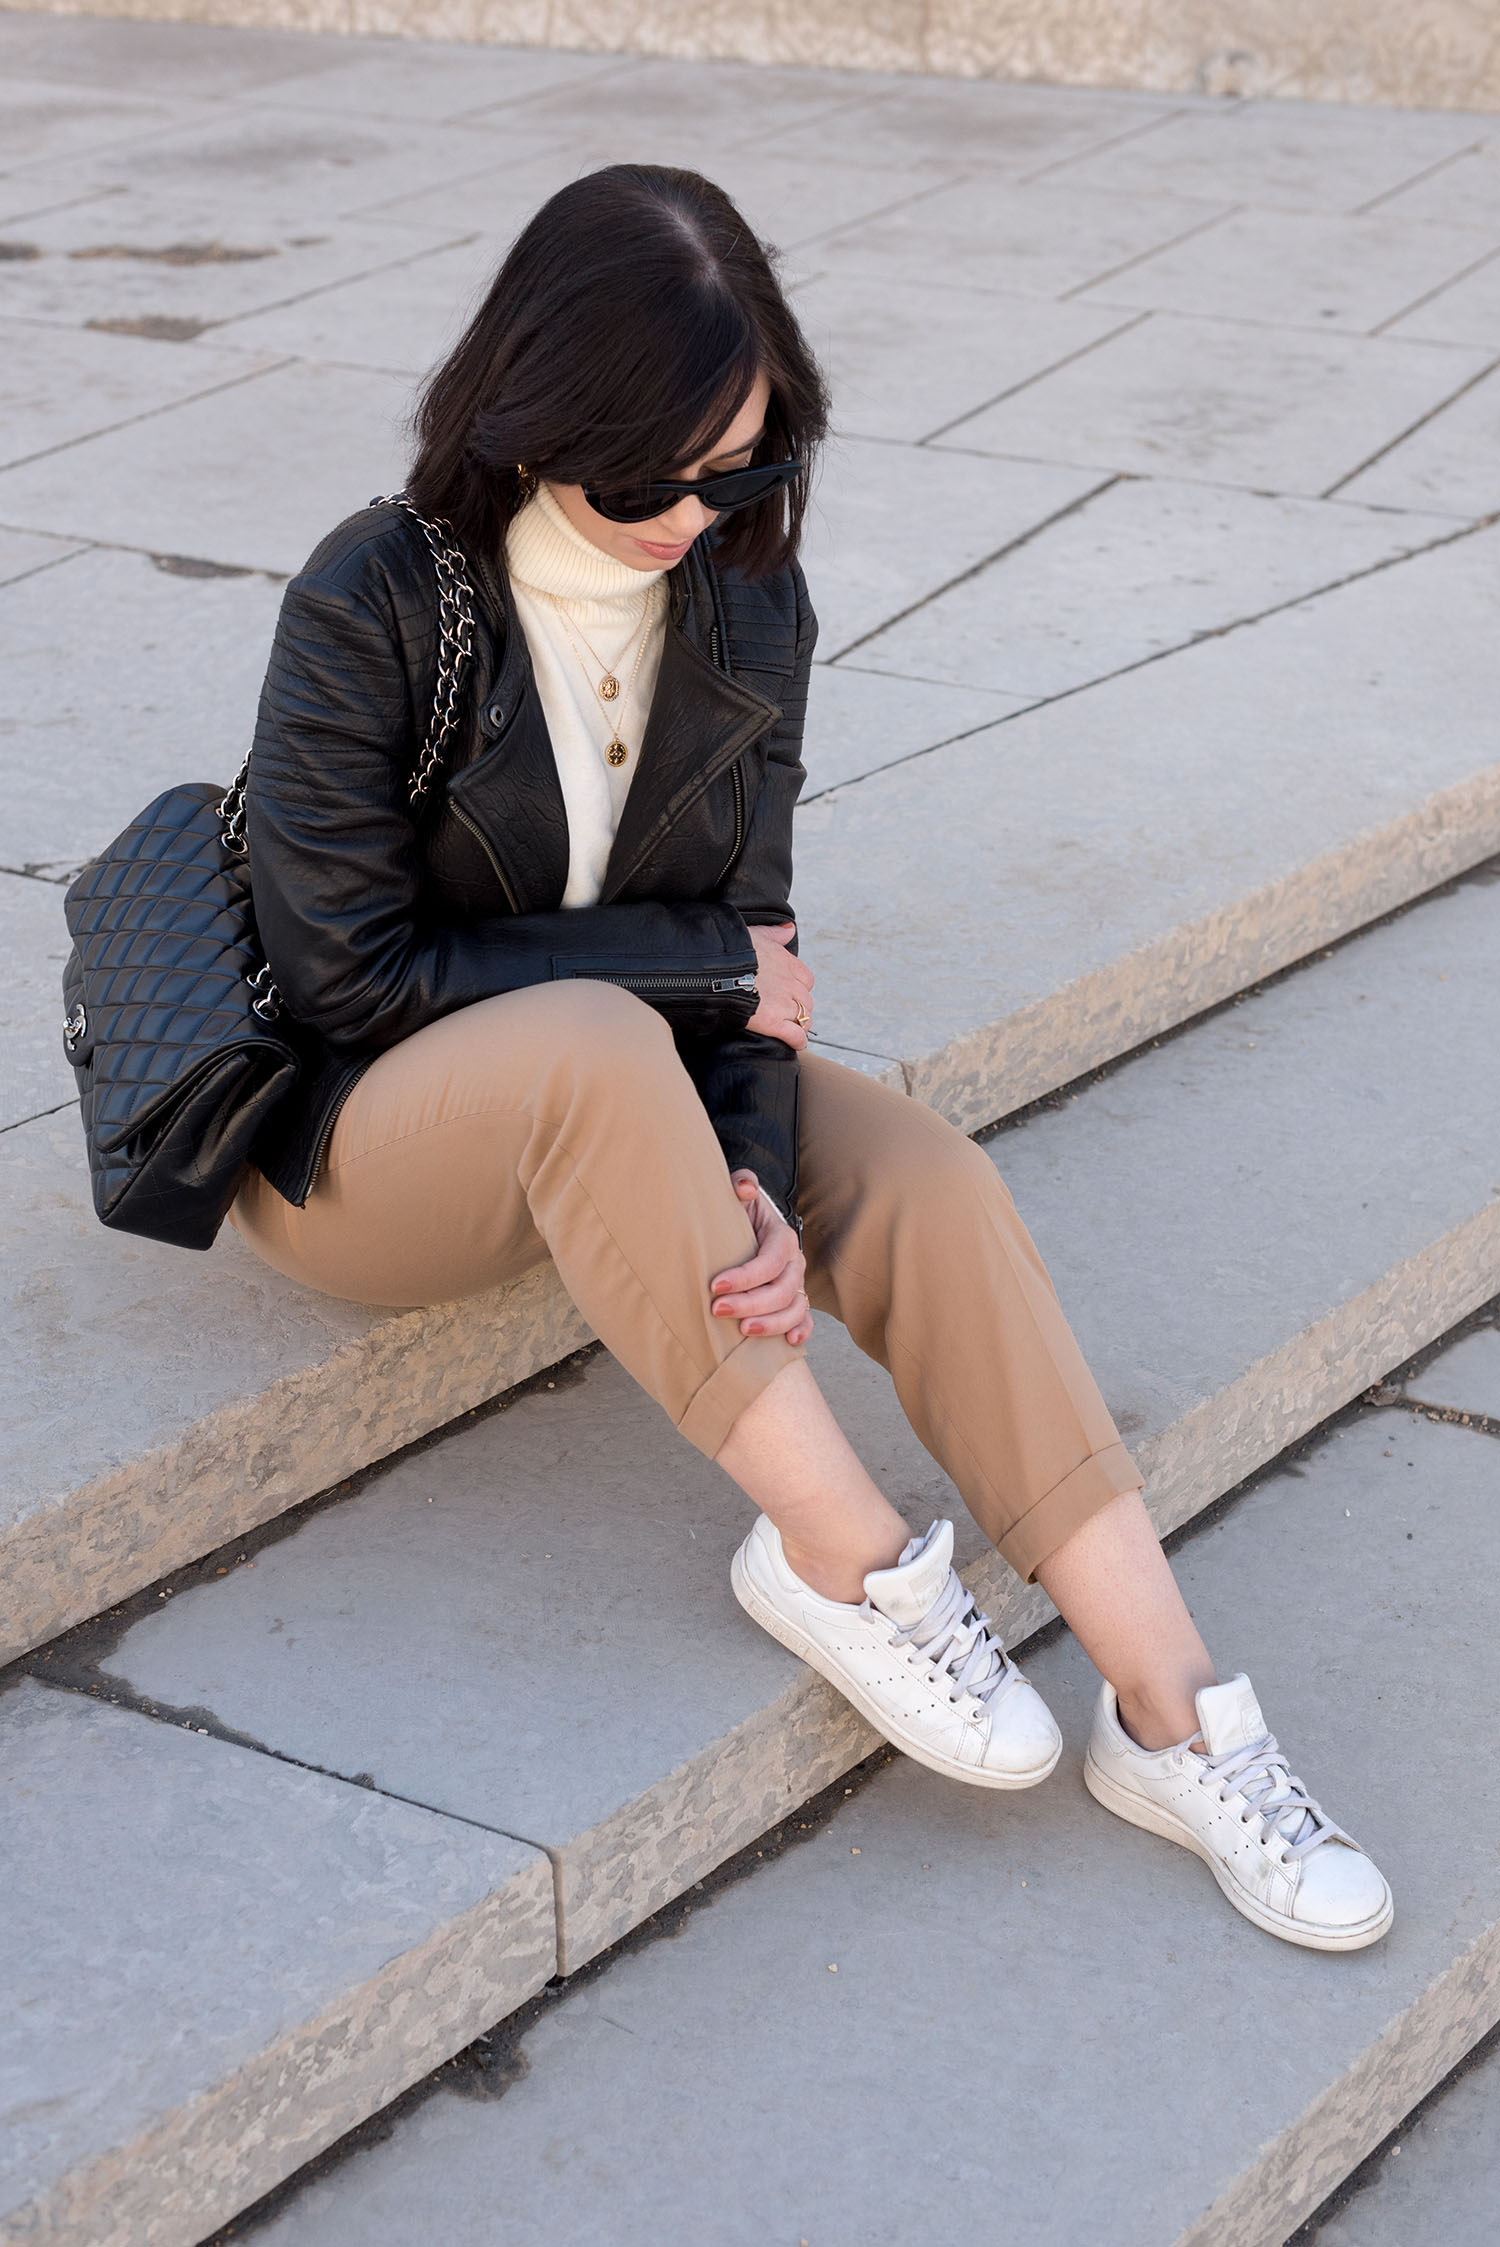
column 609, row 688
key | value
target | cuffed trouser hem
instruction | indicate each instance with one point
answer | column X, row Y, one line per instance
column 744, row 1375
column 1093, row 1484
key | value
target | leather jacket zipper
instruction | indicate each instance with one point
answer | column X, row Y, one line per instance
column 736, row 772
column 495, row 867
column 684, row 982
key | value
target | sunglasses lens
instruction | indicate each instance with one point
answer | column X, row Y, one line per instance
column 721, row 493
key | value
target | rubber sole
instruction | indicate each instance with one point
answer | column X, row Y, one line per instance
column 760, row 1611
column 1151, row 1817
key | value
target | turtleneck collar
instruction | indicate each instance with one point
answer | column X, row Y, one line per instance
column 547, row 555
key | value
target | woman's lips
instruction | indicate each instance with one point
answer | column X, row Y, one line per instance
column 664, row 553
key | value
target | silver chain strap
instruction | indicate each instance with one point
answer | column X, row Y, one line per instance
column 455, row 647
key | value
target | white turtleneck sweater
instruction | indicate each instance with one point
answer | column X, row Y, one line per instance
column 602, row 600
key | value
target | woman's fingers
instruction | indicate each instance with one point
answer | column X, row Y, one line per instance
column 764, row 1266
column 787, row 1322
column 778, row 1294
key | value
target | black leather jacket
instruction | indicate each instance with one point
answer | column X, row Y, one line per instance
column 377, row 919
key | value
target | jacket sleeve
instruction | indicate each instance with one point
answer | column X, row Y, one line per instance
column 747, row 1082
column 336, row 861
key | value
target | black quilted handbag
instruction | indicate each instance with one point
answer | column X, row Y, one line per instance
column 174, row 1027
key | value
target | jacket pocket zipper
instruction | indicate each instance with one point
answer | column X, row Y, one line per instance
column 704, row 984
column 495, row 867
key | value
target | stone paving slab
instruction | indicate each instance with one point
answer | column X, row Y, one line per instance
column 161, row 687
column 57, row 387
column 861, row 720
column 1079, row 877
column 23, row 552
column 1465, row 1378
column 1465, row 192
column 905, row 362
column 1017, row 2000
column 253, row 474
column 34, row 1073
column 1292, row 155
column 986, row 127
column 1032, row 240
column 41, row 120
column 215, row 1963
column 1274, row 409
column 422, row 83
column 1301, row 269
column 142, row 257
column 1438, row 2182
column 136, row 55
column 1247, row 1226
column 1450, row 464
column 1468, row 311
column 1141, row 567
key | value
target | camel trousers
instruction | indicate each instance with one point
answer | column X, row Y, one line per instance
column 559, row 1121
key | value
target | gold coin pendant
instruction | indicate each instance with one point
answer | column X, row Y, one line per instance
column 609, row 687
column 617, row 752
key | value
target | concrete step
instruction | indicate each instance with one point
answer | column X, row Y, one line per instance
column 1436, row 2180
column 1014, row 2005
column 530, row 1624
column 1084, row 879
column 215, row 1963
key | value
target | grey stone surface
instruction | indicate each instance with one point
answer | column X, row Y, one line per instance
column 421, row 82
column 1158, row 842
column 161, row 687
column 985, row 129
column 1275, row 409
column 859, row 721
column 1301, row 269
column 954, row 512
column 1452, row 463
column 1288, row 155
column 906, row 360
column 1038, row 240
column 22, row 553
column 1465, row 192
column 231, row 1394
column 1142, row 567
column 1438, row 2181
column 56, row 387
column 39, row 119
column 1136, row 2064
column 1465, row 1378
column 1237, row 1265
column 216, row 1963
column 397, row 317
column 1467, row 312
column 195, row 482
column 33, row 944
column 142, row 256
column 135, row 57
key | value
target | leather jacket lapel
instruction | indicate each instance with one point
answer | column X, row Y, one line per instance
column 701, row 721
column 509, row 792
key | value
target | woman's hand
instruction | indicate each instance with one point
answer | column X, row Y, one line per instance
column 785, row 987
column 767, row 1295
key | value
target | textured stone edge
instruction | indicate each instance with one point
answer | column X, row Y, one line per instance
column 1296, row 2172
column 654, row 1847
column 221, row 2151
column 255, row 1457
column 1345, row 50
column 996, row 1069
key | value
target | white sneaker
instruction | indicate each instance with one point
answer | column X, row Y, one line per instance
column 1278, row 1858
column 915, row 1657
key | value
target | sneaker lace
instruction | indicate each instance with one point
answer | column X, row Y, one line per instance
column 1260, row 1773
column 961, row 1643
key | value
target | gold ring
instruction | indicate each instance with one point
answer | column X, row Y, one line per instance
column 801, row 1017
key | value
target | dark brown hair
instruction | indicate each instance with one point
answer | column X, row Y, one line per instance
column 617, row 342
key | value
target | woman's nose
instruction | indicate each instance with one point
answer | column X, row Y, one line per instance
column 688, row 518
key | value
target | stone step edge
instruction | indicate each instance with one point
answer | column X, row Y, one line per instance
column 698, row 1815
column 255, row 1457
column 993, row 1070
column 1294, row 2174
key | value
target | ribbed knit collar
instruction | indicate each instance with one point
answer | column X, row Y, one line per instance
column 547, row 555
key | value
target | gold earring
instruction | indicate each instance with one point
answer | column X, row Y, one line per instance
column 526, row 480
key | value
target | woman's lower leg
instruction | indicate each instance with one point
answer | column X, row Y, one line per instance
column 788, row 1453
column 1114, row 1588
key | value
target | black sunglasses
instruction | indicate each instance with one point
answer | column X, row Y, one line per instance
column 742, row 487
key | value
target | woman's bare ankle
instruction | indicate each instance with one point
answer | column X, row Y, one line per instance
column 838, row 1576
column 1159, row 1717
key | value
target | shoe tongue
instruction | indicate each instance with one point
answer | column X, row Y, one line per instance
column 1229, row 1716
column 904, row 1593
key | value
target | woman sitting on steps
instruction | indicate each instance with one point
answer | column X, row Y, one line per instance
column 559, row 1010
